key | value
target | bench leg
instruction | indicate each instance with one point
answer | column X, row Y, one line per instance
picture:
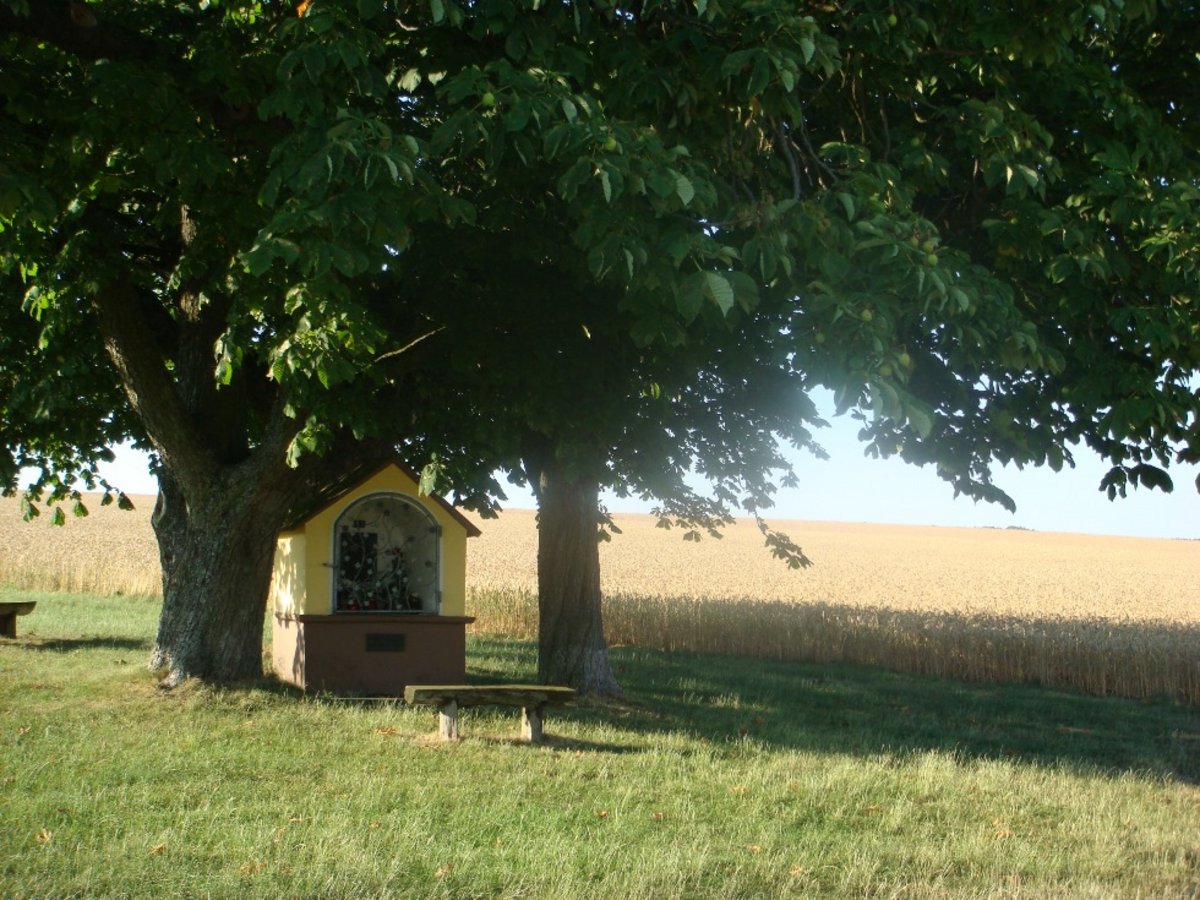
column 531, row 724
column 8, row 625
column 448, row 721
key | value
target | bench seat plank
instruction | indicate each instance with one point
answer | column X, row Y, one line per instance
column 487, row 694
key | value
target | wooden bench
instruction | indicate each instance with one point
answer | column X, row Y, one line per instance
column 9, row 613
column 449, row 698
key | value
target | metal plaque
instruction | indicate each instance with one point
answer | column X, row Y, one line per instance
column 385, row 643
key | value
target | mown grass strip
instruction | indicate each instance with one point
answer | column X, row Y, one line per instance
column 721, row 777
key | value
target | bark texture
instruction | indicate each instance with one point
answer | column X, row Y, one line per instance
column 572, row 649
column 216, row 562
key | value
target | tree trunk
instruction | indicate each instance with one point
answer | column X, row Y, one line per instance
column 216, row 562
column 572, row 649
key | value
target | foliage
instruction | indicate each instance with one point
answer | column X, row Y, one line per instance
column 933, row 227
column 988, row 249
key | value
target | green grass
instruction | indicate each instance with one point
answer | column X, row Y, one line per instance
column 722, row 777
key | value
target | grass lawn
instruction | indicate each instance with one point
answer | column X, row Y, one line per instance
column 722, row 777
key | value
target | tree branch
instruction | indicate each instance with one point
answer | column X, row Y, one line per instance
column 785, row 146
column 409, row 345
column 143, row 372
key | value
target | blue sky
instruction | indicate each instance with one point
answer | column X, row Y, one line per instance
column 852, row 488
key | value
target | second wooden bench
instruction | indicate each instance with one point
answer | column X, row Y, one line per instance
column 9, row 613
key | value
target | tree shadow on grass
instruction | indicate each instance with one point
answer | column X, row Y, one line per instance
column 840, row 708
column 91, row 642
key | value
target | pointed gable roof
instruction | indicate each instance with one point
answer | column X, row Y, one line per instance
column 351, row 479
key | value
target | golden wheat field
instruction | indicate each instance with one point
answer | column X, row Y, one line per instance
column 1105, row 615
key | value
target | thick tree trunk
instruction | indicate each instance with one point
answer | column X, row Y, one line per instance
column 216, row 562
column 572, row 649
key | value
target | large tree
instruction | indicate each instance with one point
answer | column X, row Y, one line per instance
column 976, row 225
column 196, row 207
column 555, row 387
column 892, row 200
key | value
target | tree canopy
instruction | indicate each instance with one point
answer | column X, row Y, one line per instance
column 261, row 239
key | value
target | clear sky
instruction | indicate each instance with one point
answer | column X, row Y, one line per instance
column 852, row 488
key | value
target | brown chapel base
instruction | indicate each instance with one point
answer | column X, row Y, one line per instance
column 369, row 653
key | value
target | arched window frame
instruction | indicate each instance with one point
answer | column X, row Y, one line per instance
column 345, row 519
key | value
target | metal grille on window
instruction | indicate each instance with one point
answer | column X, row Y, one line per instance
column 386, row 557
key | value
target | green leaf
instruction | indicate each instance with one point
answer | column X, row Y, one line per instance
column 555, row 139
column 58, row 517
column 760, row 75
column 1116, row 156
column 392, row 168
column 808, row 48
column 517, row 116
column 718, row 288
column 1152, row 477
column 314, row 63
column 885, row 400
column 746, row 289
column 410, row 80
column 1054, row 457
column 683, row 188
column 430, row 475
column 834, row 266
column 438, row 9
column 662, row 182
column 919, row 418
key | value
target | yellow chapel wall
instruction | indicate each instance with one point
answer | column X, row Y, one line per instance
column 289, row 574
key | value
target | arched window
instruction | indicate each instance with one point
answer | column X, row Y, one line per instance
column 387, row 557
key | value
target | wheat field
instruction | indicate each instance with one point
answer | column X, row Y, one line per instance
column 1105, row 615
